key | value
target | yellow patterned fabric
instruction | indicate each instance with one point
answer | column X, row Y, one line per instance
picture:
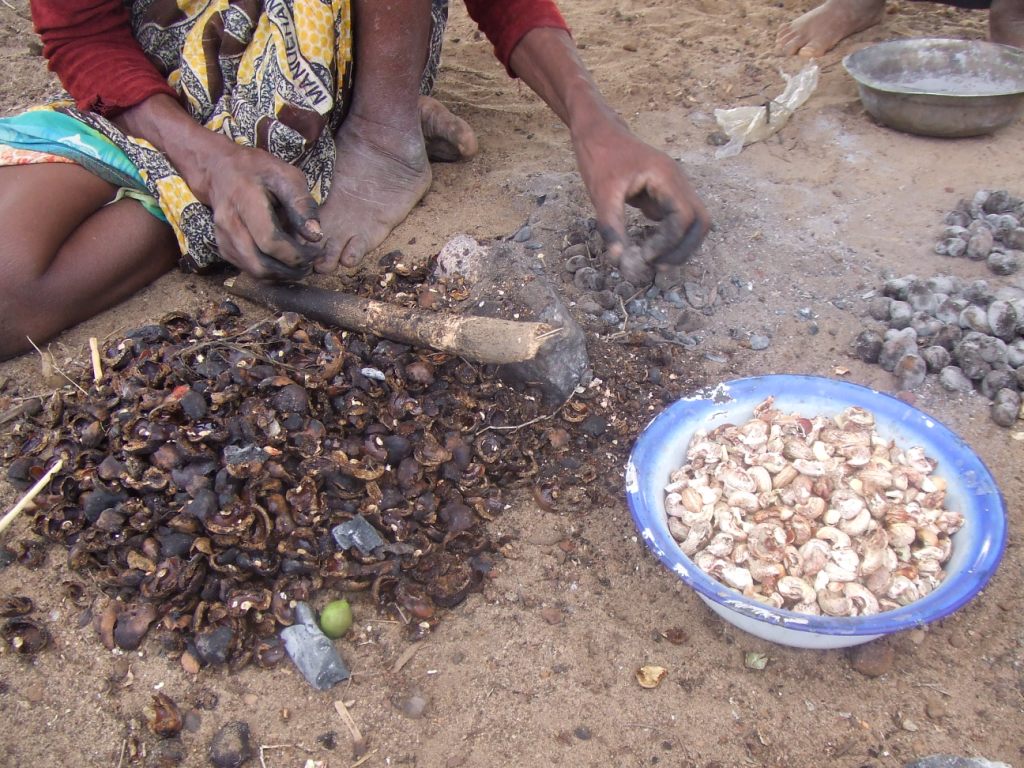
column 274, row 74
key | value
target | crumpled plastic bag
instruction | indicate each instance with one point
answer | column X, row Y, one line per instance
column 745, row 125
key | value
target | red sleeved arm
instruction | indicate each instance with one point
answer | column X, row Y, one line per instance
column 89, row 45
column 505, row 22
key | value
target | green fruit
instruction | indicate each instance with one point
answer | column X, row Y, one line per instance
column 336, row 618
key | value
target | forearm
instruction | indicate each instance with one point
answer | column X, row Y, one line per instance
column 192, row 149
column 84, row 42
column 546, row 60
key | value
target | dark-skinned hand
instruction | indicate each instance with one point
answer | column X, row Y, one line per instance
column 620, row 169
column 266, row 222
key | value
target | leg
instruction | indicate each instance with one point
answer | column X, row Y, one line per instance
column 820, row 30
column 66, row 256
column 382, row 167
column 1006, row 22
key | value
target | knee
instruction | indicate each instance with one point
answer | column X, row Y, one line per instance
column 21, row 318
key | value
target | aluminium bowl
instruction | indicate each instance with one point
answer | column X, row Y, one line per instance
column 940, row 87
column 977, row 546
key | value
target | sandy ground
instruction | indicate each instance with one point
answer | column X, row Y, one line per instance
column 539, row 669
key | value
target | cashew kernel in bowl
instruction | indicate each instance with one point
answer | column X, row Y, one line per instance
column 815, row 515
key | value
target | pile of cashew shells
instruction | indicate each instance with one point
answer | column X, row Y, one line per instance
column 816, row 515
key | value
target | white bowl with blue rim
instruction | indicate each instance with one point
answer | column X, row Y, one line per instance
column 971, row 489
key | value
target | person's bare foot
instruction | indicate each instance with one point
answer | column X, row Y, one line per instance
column 820, row 30
column 380, row 173
column 448, row 138
column 1006, row 22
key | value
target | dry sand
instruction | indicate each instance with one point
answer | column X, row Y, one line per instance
column 539, row 669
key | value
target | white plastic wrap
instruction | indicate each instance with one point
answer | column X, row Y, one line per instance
column 745, row 125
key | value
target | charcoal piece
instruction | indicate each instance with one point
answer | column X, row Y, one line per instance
column 357, row 533
column 312, row 651
column 953, row 379
column 935, row 357
column 1003, row 263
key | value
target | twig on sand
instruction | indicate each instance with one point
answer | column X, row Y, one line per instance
column 358, row 742
column 97, row 366
column 542, row 417
column 58, row 370
column 934, row 687
column 30, row 405
column 362, row 759
column 32, row 493
column 263, row 763
column 124, row 746
column 406, row 656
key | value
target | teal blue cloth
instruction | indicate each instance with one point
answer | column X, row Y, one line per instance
column 44, row 130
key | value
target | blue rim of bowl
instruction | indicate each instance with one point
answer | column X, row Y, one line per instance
column 952, row 595
column 851, row 65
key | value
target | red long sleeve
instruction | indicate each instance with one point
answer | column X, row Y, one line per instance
column 505, row 22
column 89, row 45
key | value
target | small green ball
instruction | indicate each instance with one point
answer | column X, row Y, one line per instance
column 336, row 618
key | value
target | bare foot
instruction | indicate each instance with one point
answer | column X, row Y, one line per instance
column 820, row 30
column 1006, row 22
column 448, row 138
column 380, row 173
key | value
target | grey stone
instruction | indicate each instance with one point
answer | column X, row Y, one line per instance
column 575, row 263
column 955, row 247
column 231, row 746
column 940, row 284
column 975, row 318
column 958, row 218
column 579, row 249
column 921, row 299
column 955, row 231
column 925, row 325
column 900, row 314
column 312, row 651
column 607, row 299
column 969, row 358
column 948, row 336
column 1002, row 319
column 695, row 295
column 624, row 290
column 867, row 346
column 1011, row 293
column 879, row 308
column 949, row 310
column 759, row 342
column 414, row 706
column 637, row 306
column 980, row 245
column 910, row 371
column 1004, row 262
column 359, row 533
column 588, row 306
column 976, row 226
column 999, row 201
column 976, row 292
column 610, row 318
column 992, row 350
column 996, row 381
column 653, row 292
column 588, row 279
column 977, row 204
column 1015, row 354
column 1006, row 411
column 1014, row 239
column 524, row 234
column 954, row 380
column 897, row 287
column 898, row 346
column 668, row 277
column 940, row 247
column 936, row 358
column 673, row 298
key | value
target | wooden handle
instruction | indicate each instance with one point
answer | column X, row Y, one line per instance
column 479, row 339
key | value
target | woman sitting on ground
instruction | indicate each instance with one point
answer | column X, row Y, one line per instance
column 282, row 136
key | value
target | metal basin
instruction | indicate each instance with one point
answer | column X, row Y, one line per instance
column 939, row 87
